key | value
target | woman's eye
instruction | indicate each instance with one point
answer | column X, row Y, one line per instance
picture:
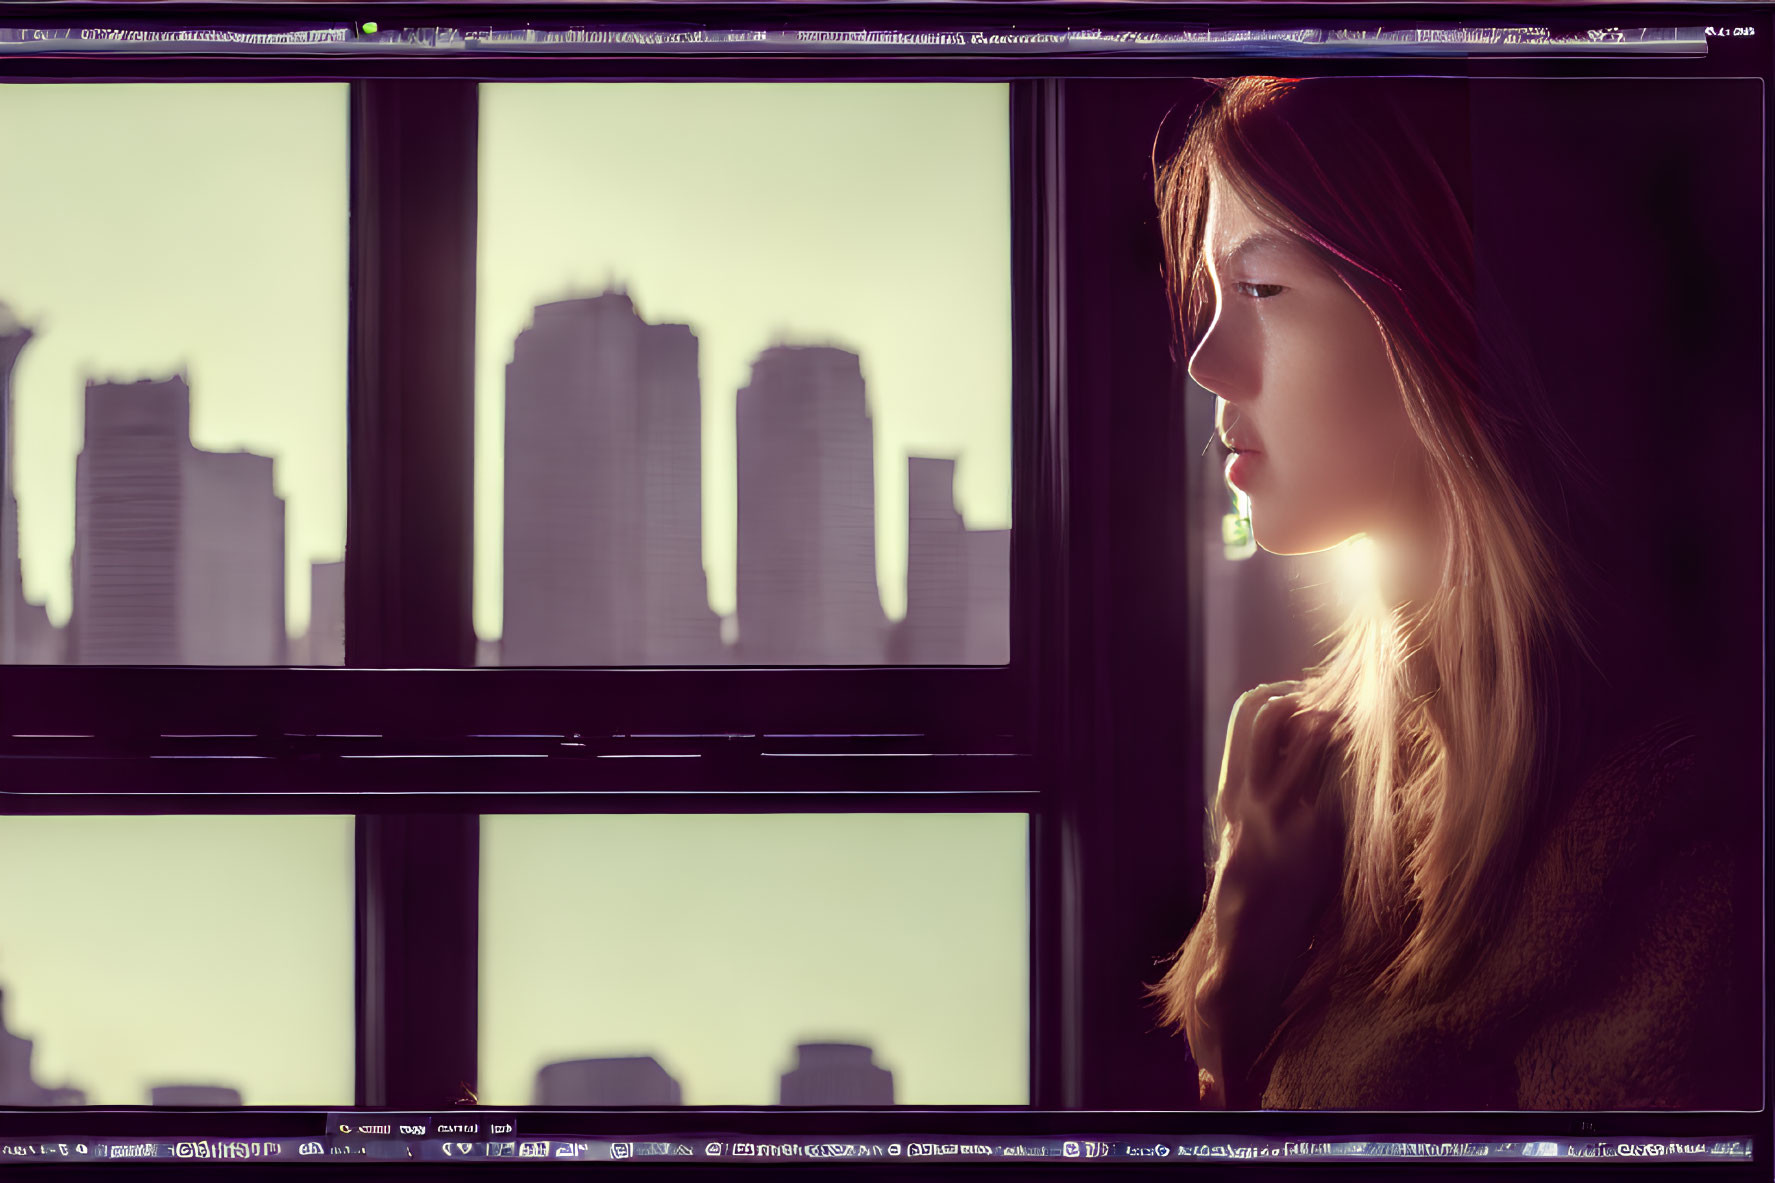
column 1257, row 291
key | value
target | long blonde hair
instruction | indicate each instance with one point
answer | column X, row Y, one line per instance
column 1440, row 789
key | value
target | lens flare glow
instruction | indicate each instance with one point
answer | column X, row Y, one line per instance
column 1360, row 564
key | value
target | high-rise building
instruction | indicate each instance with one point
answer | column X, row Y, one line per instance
column 678, row 625
column 986, row 630
column 231, row 561
column 213, row 1096
column 807, row 587
column 603, row 492
column 17, row 1085
column 836, row 1074
column 26, row 635
column 36, row 639
column 128, row 510
column 933, row 632
column 609, row 1080
column 178, row 552
column 326, row 614
column 13, row 339
column 958, row 581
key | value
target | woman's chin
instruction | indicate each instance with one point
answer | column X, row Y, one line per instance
column 1285, row 551
column 1285, row 541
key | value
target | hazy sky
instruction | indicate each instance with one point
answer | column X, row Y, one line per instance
column 873, row 216
column 715, row 943
column 218, row 950
column 158, row 227
column 139, row 951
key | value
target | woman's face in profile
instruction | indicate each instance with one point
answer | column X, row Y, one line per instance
column 1304, row 389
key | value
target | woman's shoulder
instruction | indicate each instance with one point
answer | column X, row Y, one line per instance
column 1651, row 791
column 1670, row 777
column 1649, row 777
column 1651, row 999
column 1616, row 978
column 1637, row 926
column 1637, row 800
column 1656, row 1014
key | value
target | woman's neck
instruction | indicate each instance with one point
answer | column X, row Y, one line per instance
column 1412, row 575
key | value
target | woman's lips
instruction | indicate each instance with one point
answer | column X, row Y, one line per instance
column 1238, row 467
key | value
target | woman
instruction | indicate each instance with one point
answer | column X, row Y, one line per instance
column 1475, row 856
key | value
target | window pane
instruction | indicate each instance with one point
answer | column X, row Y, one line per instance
column 172, row 348
column 744, row 374
column 755, row 959
column 176, row 961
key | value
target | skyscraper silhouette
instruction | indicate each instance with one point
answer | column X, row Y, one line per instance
column 958, row 581
column 936, row 572
column 178, row 552
column 807, row 589
column 326, row 613
column 128, row 504
column 26, row 635
column 986, row 560
column 17, row 1085
column 231, row 561
column 215, row 1096
column 608, row 1080
column 13, row 339
column 836, row 1074
column 603, row 492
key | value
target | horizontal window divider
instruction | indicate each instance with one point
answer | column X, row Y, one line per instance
column 883, row 755
column 567, row 801
column 298, row 747
column 29, row 778
column 124, row 67
column 938, row 708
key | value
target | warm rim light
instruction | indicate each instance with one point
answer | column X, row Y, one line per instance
column 1359, row 563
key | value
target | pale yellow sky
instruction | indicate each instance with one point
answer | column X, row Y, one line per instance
column 139, row 951
column 218, row 950
column 875, row 216
column 154, row 227
column 715, row 943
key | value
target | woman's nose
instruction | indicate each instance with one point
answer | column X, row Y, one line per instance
column 1212, row 365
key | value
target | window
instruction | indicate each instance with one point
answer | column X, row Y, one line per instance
column 180, row 960
column 920, row 333
column 689, row 421
column 752, row 959
column 747, row 404
column 174, row 375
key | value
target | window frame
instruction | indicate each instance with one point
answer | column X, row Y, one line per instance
column 1037, row 736
column 1113, row 662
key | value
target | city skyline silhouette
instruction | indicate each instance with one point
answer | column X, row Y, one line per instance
column 217, row 951
column 179, row 551
column 871, row 217
column 155, row 252
column 137, row 271
column 824, row 1073
column 181, row 950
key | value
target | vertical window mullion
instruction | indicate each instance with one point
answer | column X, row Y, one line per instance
column 1133, row 770
column 409, row 550
column 1039, row 548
